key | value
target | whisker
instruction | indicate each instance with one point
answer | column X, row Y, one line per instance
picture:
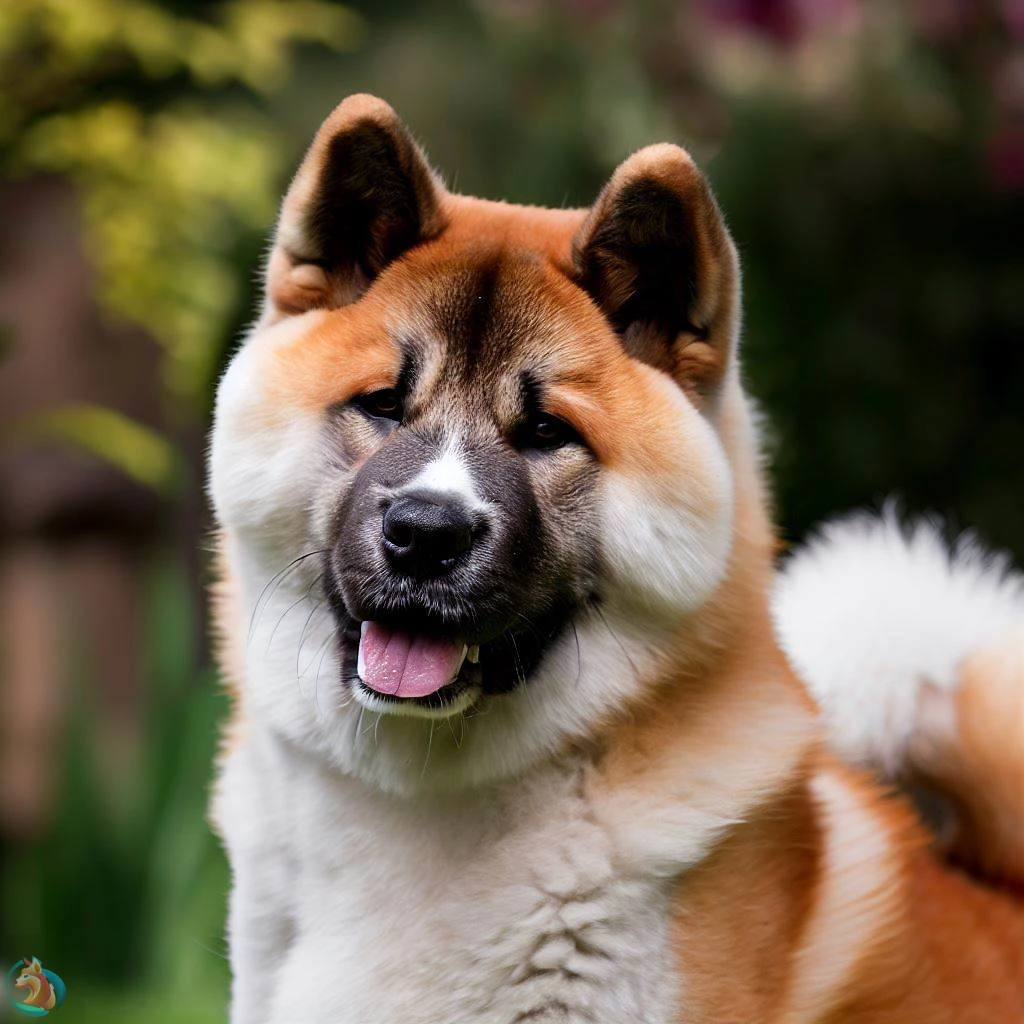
column 359, row 725
column 316, row 682
column 430, row 744
column 302, row 636
column 530, row 625
column 615, row 637
column 579, row 659
column 209, row 949
column 457, row 740
column 294, row 604
column 275, row 581
column 309, row 664
column 519, row 665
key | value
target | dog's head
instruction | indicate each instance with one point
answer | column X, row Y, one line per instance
column 474, row 464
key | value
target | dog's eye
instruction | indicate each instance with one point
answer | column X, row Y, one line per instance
column 544, row 432
column 384, row 405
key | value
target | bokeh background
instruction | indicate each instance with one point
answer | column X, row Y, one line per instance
column 869, row 155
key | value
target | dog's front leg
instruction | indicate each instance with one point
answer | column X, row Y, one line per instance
column 259, row 933
column 260, row 924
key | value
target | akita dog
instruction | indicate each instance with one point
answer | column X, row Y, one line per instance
column 514, row 737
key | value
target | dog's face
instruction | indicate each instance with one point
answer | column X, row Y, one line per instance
column 467, row 463
column 462, row 522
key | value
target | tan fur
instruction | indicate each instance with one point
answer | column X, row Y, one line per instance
column 976, row 756
column 739, row 916
column 229, row 650
column 818, row 900
column 952, row 950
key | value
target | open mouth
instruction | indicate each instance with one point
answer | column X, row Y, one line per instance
column 412, row 666
column 429, row 675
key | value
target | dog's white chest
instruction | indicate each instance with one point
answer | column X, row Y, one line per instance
column 491, row 911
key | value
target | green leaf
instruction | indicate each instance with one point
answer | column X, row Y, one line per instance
column 137, row 450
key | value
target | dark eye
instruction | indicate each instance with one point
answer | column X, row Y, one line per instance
column 384, row 405
column 544, row 432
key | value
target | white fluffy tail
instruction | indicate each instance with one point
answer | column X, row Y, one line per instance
column 915, row 654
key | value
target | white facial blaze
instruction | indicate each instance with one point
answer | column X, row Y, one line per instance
column 448, row 475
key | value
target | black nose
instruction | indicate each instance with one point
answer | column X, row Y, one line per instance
column 424, row 536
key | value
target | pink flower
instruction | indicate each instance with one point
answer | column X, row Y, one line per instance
column 1013, row 15
column 784, row 21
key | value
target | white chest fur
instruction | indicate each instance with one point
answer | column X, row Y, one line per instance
column 499, row 908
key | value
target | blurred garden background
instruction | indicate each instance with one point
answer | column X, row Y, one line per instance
column 869, row 155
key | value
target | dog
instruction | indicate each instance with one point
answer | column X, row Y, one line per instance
column 526, row 725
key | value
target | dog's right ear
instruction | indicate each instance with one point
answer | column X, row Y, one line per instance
column 363, row 195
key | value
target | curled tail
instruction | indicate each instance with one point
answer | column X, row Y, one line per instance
column 915, row 653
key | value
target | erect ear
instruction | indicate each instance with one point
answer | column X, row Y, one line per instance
column 363, row 195
column 655, row 255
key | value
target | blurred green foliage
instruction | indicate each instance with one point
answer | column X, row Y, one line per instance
column 125, row 896
column 156, row 118
column 865, row 163
column 884, row 311
column 136, row 450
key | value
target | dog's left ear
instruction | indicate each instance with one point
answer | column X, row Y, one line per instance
column 655, row 255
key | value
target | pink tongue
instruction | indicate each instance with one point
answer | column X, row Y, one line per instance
column 402, row 665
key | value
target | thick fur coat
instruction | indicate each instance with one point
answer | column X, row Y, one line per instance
column 623, row 805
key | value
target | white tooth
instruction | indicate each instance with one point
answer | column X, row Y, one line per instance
column 360, row 660
column 473, row 655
